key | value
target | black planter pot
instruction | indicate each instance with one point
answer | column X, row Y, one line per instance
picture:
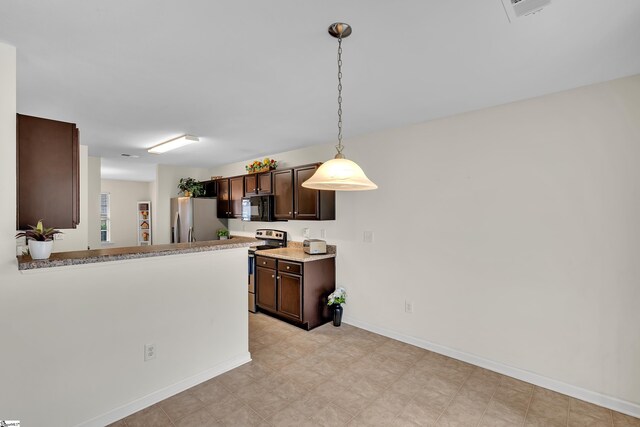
column 337, row 315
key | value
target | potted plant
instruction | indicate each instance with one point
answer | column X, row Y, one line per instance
column 40, row 240
column 223, row 234
column 190, row 187
column 336, row 299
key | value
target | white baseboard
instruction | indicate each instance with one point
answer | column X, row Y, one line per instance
column 157, row 396
column 610, row 402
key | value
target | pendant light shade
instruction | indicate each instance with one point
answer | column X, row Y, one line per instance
column 339, row 174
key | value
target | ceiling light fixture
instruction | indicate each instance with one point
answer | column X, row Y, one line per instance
column 339, row 173
column 172, row 144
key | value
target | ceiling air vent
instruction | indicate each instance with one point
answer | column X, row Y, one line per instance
column 519, row 8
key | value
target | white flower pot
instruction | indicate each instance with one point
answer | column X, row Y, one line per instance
column 40, row 250
column 223, row 237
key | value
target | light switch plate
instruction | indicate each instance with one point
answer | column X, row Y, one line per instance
column 367, row 236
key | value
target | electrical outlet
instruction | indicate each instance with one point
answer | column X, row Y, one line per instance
column 367, row 236
column 323, row 233
column 149, row 352
column 306, row 233
column 408, row 306
column 58, row 236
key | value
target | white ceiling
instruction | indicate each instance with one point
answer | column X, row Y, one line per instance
column 256, row 77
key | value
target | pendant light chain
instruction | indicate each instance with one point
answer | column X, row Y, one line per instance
column 339, row 147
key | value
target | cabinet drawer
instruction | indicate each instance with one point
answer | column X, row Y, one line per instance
column 290, row 267
column 265, row 262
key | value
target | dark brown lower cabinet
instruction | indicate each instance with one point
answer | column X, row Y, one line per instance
column 290, row 295
column 266, row 285
column 294, row 291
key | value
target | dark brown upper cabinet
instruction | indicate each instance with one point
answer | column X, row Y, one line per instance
column 293, row 201
column 311, row 204
column 48, row 173
column 230, row 193
column 283, row 194
column 223, row 198
column 257, row 184
column 210, row 189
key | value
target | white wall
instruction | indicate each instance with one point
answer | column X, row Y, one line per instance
column 166, row 187
column 93, row 203
column 72, row 338
column 514, row 231
column 124, row 211
column 7, row 158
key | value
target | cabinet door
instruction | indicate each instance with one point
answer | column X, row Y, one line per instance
column 251, row 185
column 235, row 199
column 290, row 295
column 266, row 288
column 210, row 188
column 283, row 194
column 223, row 198
column 48, row 179
column 264, row 183
column 307, row 201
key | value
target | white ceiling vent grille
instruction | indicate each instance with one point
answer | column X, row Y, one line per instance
column 519, row 8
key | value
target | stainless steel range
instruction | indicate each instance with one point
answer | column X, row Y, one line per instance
column 273, row 239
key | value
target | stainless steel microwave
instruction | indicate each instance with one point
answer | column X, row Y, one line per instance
column 257, row 208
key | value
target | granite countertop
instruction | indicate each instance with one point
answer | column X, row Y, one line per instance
column 294, row 252
column 133, row 252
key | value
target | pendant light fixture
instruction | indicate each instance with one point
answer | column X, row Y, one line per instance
column 339, row 173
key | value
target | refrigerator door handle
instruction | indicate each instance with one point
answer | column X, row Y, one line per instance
column 176, row 228
column 191, row 238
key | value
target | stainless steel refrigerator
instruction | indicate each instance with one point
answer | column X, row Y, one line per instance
column 194, row 220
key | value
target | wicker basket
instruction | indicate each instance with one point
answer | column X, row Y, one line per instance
column 266, row 168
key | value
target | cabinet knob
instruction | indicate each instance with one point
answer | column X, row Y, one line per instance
column 278, row 278
column 264, row 262
column 289, row 213
column 272, row 276
column 295, row 213
column 288, row 267
column 254, row 189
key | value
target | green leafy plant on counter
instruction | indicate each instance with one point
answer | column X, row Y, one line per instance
column 223, row 233
column 39, row 233
column 191, row 187
column 338, row 297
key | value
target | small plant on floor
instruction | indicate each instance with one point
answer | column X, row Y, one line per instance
column 338, row 297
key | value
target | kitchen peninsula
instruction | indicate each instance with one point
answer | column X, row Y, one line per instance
column 104, row 309
column 133, row 252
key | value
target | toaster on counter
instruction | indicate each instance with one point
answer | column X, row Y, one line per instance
column 314, row 246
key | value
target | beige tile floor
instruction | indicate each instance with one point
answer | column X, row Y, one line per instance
column 347, row 376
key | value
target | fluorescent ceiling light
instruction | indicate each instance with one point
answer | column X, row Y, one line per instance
column 172, row 144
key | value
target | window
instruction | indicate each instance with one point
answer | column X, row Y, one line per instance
column 105, row 217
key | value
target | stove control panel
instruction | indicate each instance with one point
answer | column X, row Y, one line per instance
column 265, row 233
